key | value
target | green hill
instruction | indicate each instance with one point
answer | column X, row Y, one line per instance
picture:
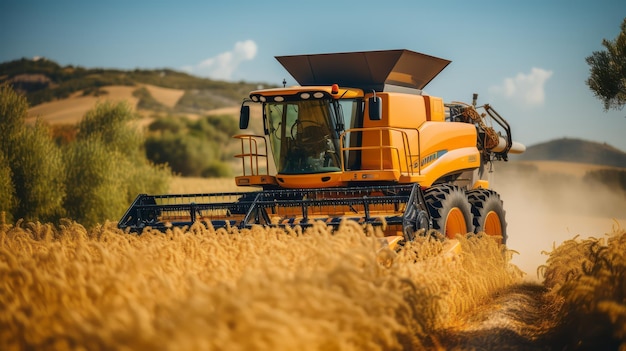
column 43, row 80
column 575, row 150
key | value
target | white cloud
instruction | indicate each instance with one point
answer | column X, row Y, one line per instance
column 223, row 65
column 527, row 89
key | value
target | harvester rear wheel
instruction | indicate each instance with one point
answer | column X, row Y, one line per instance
column 489, row 214
column 449, row 209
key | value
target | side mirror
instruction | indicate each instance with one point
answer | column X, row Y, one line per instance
column 244, row 116
column 375, row 105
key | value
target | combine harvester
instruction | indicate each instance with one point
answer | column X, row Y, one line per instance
column 357, row 140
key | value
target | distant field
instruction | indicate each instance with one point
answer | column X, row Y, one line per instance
column 72, row 110
column 189, row 185
column 167, row 97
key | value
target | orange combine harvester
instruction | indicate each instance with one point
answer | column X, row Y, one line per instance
column 356, row 140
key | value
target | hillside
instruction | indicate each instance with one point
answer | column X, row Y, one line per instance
column 44, row 81
column 576, row 151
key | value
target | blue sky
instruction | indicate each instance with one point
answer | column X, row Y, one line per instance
column 525, row 58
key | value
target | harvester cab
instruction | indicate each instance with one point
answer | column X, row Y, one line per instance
column 356, row 140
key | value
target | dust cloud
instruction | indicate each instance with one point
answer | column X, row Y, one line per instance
column 548, row 203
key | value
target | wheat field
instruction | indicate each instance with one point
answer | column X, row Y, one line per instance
column 588, row 277
column 201, row 289
column 68, row 288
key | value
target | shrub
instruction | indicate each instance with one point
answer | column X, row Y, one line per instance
column 143, row 177
column 217, row 169
column 38, row 175
column 109, row 122
column 192, row 148
column 187, row 156
column 13, row 109
column 7, row 190
column 35, row 166
column 95, row 182
column 64, row 134
column 224, row 123
column 91, row 179
column 168, row 124
column 107, row 166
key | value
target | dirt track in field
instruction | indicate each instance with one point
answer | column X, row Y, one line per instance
column 543, row 209
column 519, row 318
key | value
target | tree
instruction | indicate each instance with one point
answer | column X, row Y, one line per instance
column 107, row 165
column 7, row 189
column 90, row 179
column 33, row 163
column 607, row 77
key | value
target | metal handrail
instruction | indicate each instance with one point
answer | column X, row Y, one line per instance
column 253, row 153
column 407, row 166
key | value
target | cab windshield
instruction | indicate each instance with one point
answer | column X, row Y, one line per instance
column 304, row 135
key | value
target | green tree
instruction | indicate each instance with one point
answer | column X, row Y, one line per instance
column 110, row 122
column 7, row 190
column 89, row 180
column 38, row 175
column 168, row 124
column 185, row 154
column 107, row 166
column 607, row 77
column 13, row 109
column 96, row 182
column 36, row 167
column 192, row 148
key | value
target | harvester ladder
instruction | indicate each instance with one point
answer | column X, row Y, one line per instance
column 250, row 153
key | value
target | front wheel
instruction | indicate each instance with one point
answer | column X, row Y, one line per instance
column 489, row 214
column 449, row 209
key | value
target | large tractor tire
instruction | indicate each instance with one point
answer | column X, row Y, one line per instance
column 449, row 209
column 489, row 214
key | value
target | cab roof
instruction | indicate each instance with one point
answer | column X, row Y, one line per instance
column 368, row 70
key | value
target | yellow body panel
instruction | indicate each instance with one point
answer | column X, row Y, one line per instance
column 401, row 111
column 415, row 149
column 454, row 161
column 447, row 148
column 434, row 108
column 411, row 143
